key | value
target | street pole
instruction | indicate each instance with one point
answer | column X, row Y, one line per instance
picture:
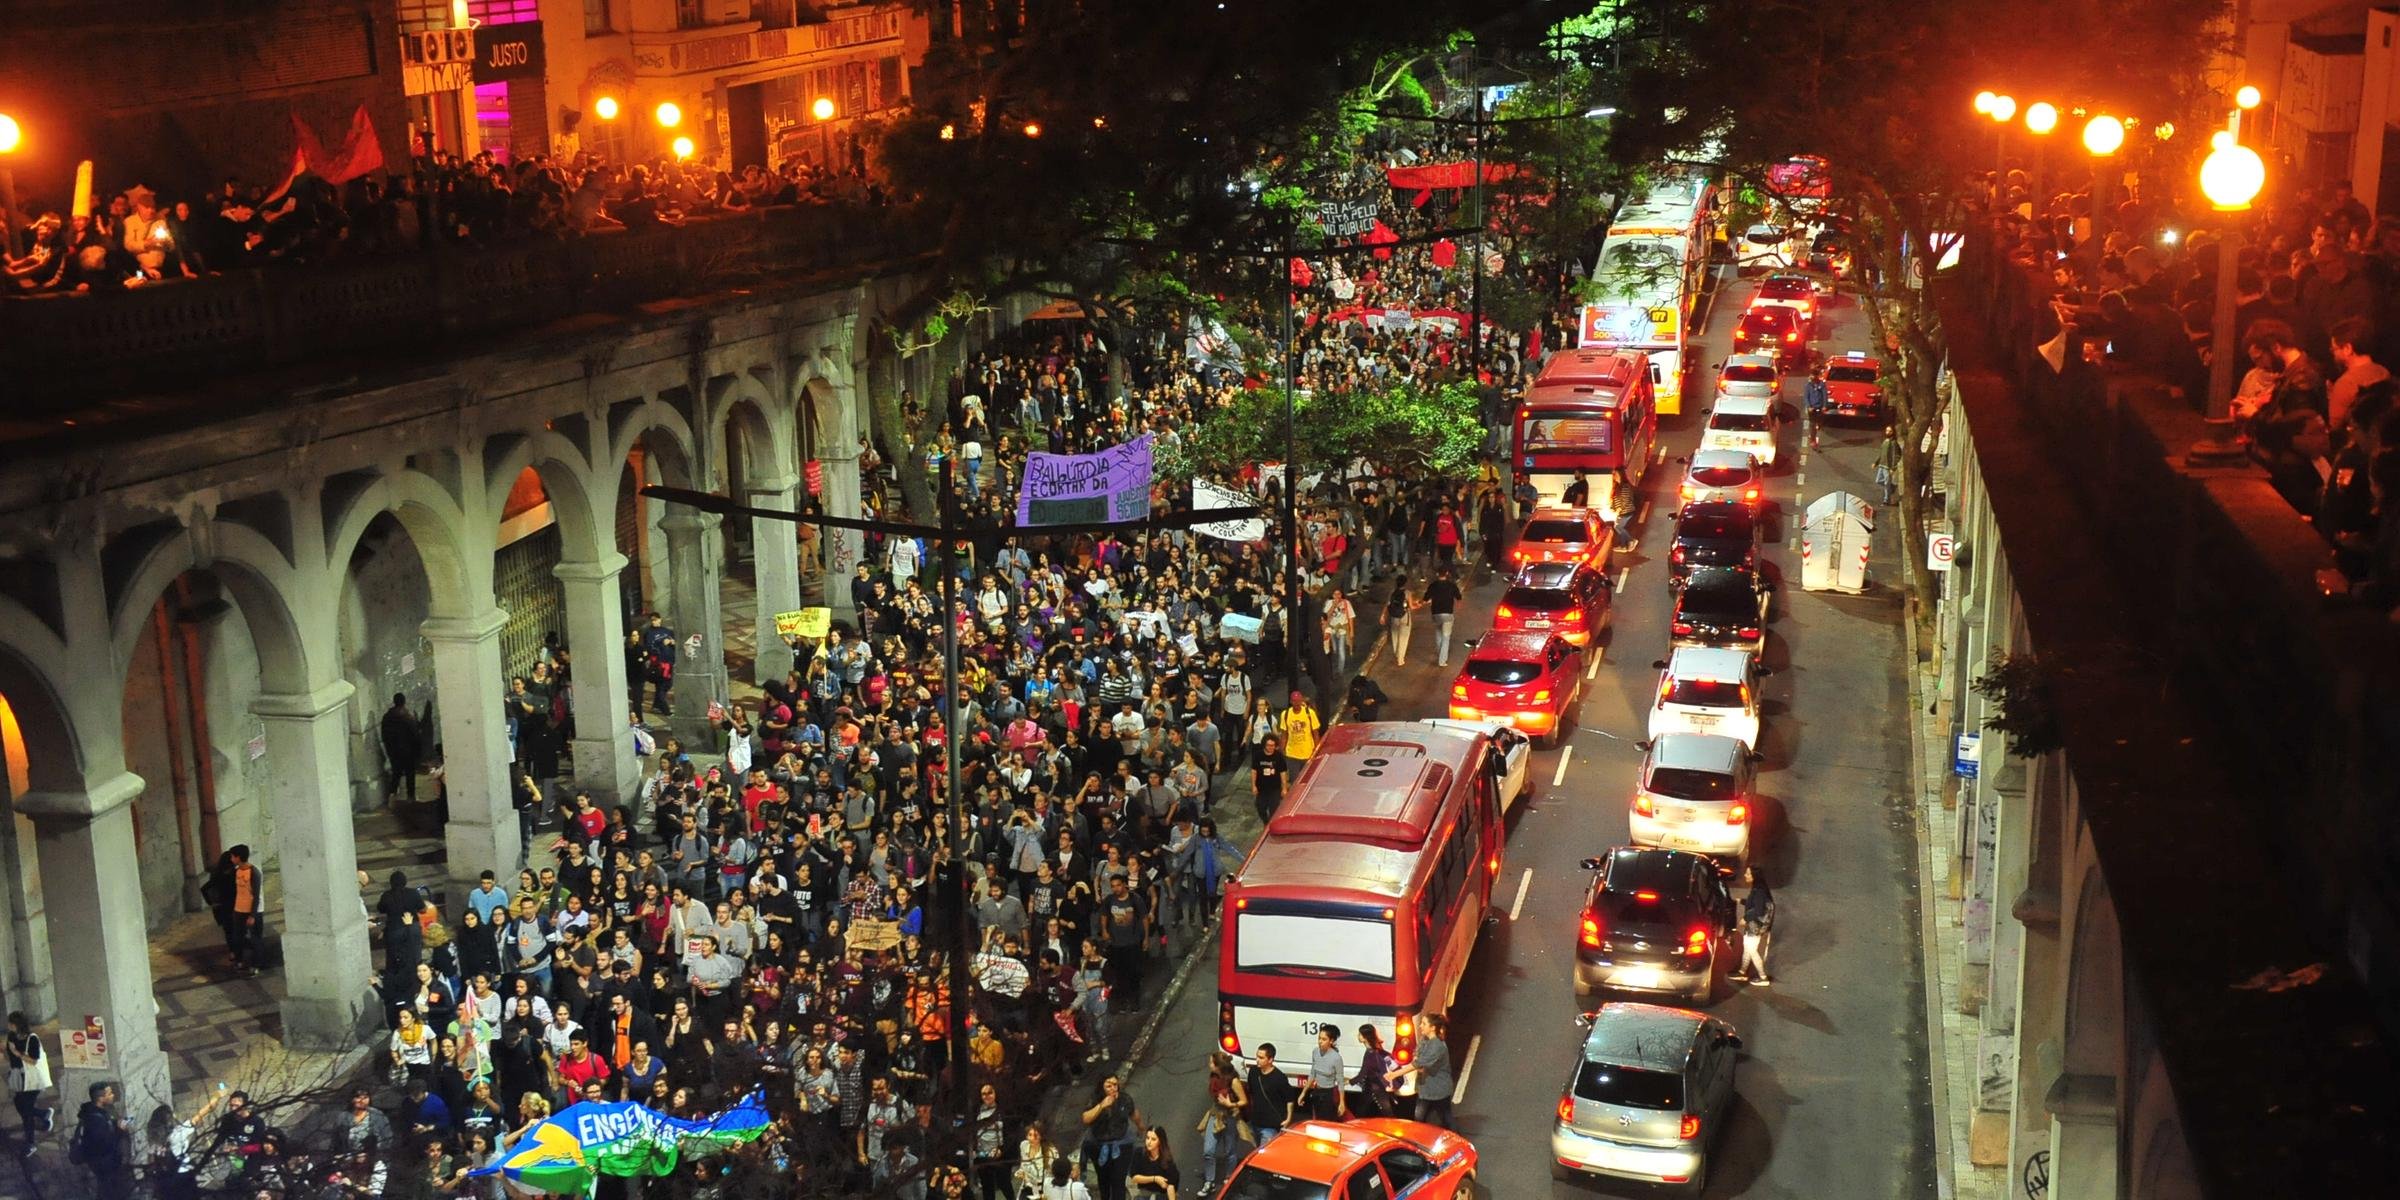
column 962, row 1095
column 1475, row 300
column 2222, row 350
column 1291, row 470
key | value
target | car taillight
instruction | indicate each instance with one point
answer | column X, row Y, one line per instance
column 1745, row 695
column 1749, row 493
column 1737, row 813
column 1677, row 556
column 1690, row 1129
column 1521, row 554
column 1749, row 631
column 1404, row 1038
column 1793, row 336
column 1682, row 626
column 1573, row 616
column 1643, row 806
column 1566, row 1109
column 1542, row 696
column 1459, row 690
column 1689, row 493
column 1646, row 896
column 1696, row 942
column 1226, row 1037
column 1666, row 688
column 1504, row 612
column 1591, row 930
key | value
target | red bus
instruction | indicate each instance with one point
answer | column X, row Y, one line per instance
column 1592, row 410
column 1362, row 903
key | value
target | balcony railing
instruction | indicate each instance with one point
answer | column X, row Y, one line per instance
column 57, row 350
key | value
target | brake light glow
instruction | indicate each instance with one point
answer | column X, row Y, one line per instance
column 1666, row 688
column 1226, row 1037
column 1573, row 616
column 1749, row 631
column 1643, row 806
column 1696, row 942
column 1678, row 555
column 1542, row 696
column 1737, row 813
column 1683, row 626
column 1241, row 904
column 1566, row 1108
column 1690, row 1129
column 1495, row 864
column 1459, row 690
column 1793, row 336
column 1504, row 612
column 1749, row 493
column 1591, row 931
column 1646, row 896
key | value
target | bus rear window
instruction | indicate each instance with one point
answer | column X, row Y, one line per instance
column 1314, row 947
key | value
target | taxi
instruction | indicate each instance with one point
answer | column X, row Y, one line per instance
column 1525, row 678
column 1852, row 387
column 1555, row 533
column 1378, row 1157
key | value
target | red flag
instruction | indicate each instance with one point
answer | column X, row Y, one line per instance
column 1381, row 237
column 1445, row 252
column 1302, row 273
column 361, row 152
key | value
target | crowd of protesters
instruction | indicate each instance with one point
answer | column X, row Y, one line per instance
column 2317, row 319
column 138, row 237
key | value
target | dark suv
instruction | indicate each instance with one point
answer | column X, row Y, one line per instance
column 1713, row 533
column 1722, row 606
column 1656, row 921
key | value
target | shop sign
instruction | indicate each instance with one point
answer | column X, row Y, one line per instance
column 508, row 52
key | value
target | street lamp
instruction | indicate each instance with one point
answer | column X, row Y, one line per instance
column 683, row 148
column 1983, row 100
column 2041, row 116
column 2103, row 135
column 1033, row 129
column 822, row 109
column 2231, row 177
column 605, row 108
column 2247, row 97
column 2002, row 108
column 669, row 114
column 11, row 136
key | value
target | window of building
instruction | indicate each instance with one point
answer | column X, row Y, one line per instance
column 595, row 16
column 690, row 14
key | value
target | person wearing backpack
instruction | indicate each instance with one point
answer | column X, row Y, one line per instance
column 98, row 1144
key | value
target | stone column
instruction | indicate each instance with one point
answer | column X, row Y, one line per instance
column 101, row 958
column 775, row 565
column 839, row 454
column 2083, row 1135
column 327, row 972
column 482, row 831
column 25, row 941
column 602, row 750
column 695, row 560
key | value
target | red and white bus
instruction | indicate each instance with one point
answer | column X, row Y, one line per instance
column 1362, row 903
column 1589, row 410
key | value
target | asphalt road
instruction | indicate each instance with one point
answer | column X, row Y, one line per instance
column 1833, row 1091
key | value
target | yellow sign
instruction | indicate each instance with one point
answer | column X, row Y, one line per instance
column 804, row 623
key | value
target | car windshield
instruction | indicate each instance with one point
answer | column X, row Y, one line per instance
column 1707, row 693
column 1850, row 374
column 1763, row 236
column 1738, row 422
column 1720, row 476
column 1629, row 1087
column 1501, row 671
column 1556, row 531
column 1784, row 289
column 1746, row 373
column 1732, row 523
column 1683, row 783
column 1254, row 1184
column 1537, row 599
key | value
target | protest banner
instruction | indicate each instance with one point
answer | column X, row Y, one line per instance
column 1106, row 485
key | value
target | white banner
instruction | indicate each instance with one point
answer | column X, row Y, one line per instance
column 1207, row 495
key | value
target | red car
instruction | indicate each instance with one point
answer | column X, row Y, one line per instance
column 1374, row 1157
column 1525, row 678
column 1853, row 387
column 1773, row 329
column 1570, row 599
column 1558, row 534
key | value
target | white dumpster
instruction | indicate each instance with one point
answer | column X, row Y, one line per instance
column 1833, row 546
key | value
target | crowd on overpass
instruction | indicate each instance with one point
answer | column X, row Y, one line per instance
column 138, row 236
column 2318, row 319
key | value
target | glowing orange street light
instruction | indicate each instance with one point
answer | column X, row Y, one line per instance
column 1033, row 129
column 11, row 134
column 949, row 132
column 2247, row 96
column 683, row 147
column 822, row 109
column 605, row 108
column 2103, row 134
column 2041, row 116
column 669, row 114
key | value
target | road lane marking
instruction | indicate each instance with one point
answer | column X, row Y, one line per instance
column 1523, row 886
column 1643, row 517
column 1598, row 652
column 1622, row 572
column 1560, row 775
column 1458, row 1095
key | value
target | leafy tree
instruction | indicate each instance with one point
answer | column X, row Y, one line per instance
column 1882, row 93
column 1406, row 429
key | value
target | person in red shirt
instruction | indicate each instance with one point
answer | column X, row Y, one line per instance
column 581, row 1067
column 756, row 792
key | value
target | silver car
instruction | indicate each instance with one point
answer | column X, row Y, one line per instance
column 1731, row 475
column 1694, row 793
column 1650, row 1094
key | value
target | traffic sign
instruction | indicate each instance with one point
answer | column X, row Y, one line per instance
column 1966, row 756
column 1939, row 547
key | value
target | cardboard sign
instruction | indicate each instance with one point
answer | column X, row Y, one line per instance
column 813, row 623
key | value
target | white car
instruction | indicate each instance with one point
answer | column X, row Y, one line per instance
column 1722, row 475
column 1749, row 375
column 1763, row 247
column 1515, row 749
column 1746, row 423
column 1694, row 793
column 1709, row 689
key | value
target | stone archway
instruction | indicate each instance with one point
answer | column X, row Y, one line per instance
column 2087, row 1100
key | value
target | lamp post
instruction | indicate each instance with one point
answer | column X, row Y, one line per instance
column 2041, row 119
column 2231, row 177
column 2002, row 110
column 11, row 136
column 2102, row 136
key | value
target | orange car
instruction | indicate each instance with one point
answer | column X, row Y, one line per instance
column 1379, row 1156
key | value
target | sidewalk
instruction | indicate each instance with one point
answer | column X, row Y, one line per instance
column 1951, row 1035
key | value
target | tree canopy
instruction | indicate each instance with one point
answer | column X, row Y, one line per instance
column 1422, row 432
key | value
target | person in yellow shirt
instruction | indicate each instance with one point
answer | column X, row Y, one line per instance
column 1299, row 726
